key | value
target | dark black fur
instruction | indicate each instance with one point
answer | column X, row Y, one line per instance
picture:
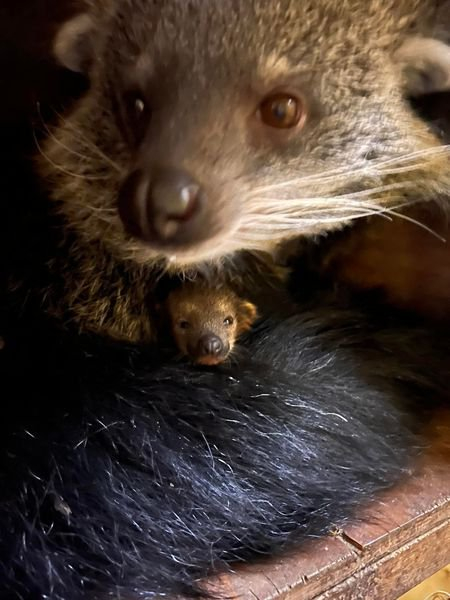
column 118, row 475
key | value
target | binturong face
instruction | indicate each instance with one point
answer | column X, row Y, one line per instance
column 206, row 321
column 212, row 127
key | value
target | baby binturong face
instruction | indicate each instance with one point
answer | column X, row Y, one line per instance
column 206, row 322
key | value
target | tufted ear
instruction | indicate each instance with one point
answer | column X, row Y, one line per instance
column 425, row 63
column 247, row 314
column 73, row 44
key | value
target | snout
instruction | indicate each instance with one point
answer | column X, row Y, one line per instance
column 166, row 208
column 211, row 350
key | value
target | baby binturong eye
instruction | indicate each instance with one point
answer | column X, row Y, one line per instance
column 282, row 111
column 228, row 321
column 183, row 324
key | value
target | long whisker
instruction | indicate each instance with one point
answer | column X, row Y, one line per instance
column 73, row 152
column 423, row 153
column 96, row 209
column 298, row 211
column 261, row 230
column 88, row 144
column 344, row 198
column 62, row 169
column 264, row 232
column 50, row 133
column 290, row 221
column 371, row 169
column 418, row 223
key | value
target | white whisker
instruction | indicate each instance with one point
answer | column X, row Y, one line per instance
column 258, row 229
column 371, row 169
column 96, row 209
column 59, row 143
column 418, row 223
column 344, row 198
column 88, row 144
column 424, row 153
column 62, row 169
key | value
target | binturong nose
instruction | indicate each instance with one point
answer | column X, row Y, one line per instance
column 211, row 345
column 164, row 208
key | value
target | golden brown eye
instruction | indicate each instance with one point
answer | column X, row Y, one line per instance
column 183, row 325
column 282, row 111
column 228, row 321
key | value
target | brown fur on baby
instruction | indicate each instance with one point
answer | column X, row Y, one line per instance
column 207, row 321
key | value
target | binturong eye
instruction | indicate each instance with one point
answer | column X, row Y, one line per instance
column 183, row 324
column 137, row 115
column 228, row 322
column 139, row 107
column 282, row 111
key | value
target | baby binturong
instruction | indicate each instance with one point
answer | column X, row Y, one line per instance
column 206, row 321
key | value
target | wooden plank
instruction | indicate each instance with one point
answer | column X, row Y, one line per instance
column 396, row 573
column 329, row 559
column 332, row 570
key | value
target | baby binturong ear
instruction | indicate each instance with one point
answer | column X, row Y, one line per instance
column 73, row 47
column 425, row 63
column 247, row 315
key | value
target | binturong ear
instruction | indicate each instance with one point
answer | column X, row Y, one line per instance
column 425, row 63
column 73, row 47
column 247, row 315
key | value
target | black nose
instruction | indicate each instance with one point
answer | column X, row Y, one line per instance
column 210, row 345
column 165, row 207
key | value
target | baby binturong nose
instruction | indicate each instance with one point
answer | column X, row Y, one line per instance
column 210, row 346
column 165, row 208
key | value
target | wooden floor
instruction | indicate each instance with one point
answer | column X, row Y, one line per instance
column 400, row 541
